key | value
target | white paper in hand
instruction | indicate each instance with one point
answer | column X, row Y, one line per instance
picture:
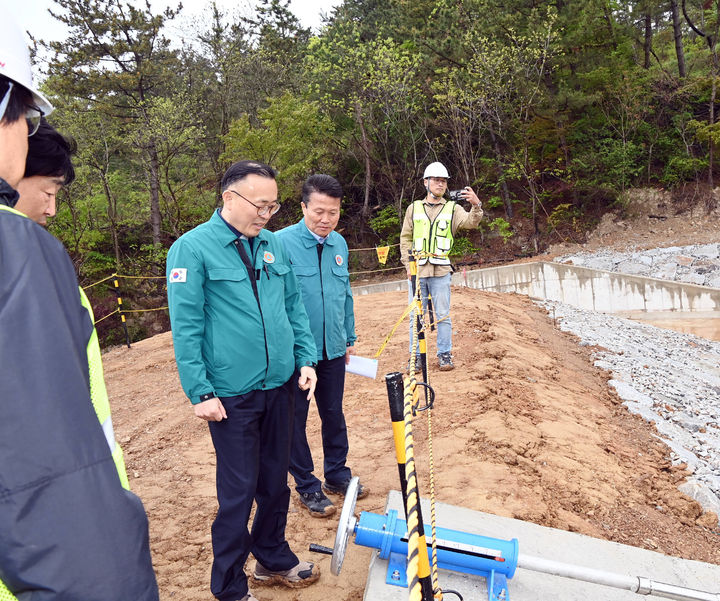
column 362, row 366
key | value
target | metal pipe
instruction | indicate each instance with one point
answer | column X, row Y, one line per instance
column 635, row 584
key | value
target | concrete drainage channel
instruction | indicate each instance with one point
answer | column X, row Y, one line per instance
column 668, row 377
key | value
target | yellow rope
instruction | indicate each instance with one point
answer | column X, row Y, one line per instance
column 409, row 308
column 437, row 591
column 99, row 282
column 417, row 305
column 373, row 248
column 108, row 315
column 376, row 270
column 413, row 502
column 143, row 310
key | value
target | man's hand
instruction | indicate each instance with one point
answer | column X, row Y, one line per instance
column 349, row 351
column 308, row 381
column 211, row 410
column 470, row 196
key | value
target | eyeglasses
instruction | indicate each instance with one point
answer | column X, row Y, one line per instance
column 268, row 210
column 5, row 100
column 33, row 114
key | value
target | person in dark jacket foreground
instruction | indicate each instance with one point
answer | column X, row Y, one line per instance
column 69, row 531
column 239, row 333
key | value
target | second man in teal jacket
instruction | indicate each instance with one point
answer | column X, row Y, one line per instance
column 319, row 258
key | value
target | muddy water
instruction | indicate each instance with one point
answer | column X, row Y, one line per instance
column 704, row 327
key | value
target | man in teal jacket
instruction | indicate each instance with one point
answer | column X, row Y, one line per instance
column 319, row 257
column 240, row 331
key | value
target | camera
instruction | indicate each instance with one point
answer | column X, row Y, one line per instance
column 457, row 195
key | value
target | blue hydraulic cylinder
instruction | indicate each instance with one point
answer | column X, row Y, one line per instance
column 456, row 551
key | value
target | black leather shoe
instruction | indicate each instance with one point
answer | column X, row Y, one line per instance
column 341, row 488
column 317, row 504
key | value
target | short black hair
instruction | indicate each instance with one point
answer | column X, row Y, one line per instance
column 242, row 169
column 322, row 184
column 20, row 100
column 49, row 154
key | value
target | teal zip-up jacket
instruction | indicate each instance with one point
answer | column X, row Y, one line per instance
column 326, row 292
column 225, row 344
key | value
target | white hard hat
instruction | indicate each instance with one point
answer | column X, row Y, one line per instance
column 15, row 61
column 436, row 170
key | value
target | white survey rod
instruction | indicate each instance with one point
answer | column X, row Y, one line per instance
column 635, row 584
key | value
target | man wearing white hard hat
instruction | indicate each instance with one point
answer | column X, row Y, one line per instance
column 68, row 528
column 428, row 232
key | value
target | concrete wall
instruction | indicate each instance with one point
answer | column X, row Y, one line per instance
column 592, row 289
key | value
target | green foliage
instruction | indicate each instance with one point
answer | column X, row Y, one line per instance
column 534, row 104
column 503, row 228
column 494, row 202
column 565, row 215
column 680, row 169
column 293, row 136
column 462, row 246
column 386, row 224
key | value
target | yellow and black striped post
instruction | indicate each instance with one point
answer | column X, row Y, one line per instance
column 417, row 295
column 394, row 384
column 116, row 284
column 400, row 398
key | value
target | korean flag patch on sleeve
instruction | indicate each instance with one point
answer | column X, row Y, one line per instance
column 178, row 275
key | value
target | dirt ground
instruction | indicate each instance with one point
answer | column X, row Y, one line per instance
column 525, row 427
column 651, row 219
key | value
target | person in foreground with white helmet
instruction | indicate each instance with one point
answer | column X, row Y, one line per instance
column 428, row 231
column 69, row 531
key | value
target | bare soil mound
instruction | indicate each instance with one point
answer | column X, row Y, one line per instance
column 524, row 427
column 651, row 218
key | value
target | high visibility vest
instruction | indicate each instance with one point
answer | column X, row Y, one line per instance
column 432, row 240
column 99, row 397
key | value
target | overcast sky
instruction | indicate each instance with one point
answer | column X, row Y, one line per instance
column 33, row 16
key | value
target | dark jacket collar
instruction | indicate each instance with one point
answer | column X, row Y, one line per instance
column 227, row 234
column 8, row 194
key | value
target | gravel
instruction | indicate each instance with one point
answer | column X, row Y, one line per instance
column 669, row 378
column 698, row 264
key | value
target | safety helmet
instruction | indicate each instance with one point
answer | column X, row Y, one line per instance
column 15, row 61
column 436, row 170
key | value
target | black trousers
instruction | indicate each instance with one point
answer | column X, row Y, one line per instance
column 328, row 398
column 253, row 448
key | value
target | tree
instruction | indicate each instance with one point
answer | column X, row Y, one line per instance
column 499, row 90
column 104, row 200
column 372, row 89
column 292, row 137
column 677, row 36
column 117, row 59
column 709, row 132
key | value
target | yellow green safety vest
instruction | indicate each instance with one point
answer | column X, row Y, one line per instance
column 432, row 240
column 99, row 397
